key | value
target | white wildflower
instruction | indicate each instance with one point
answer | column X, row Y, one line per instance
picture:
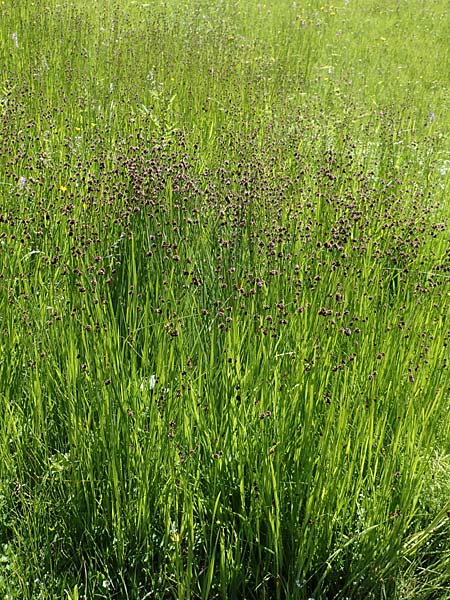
column 149, row 383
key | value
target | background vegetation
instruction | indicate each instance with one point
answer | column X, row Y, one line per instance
column 224, row 299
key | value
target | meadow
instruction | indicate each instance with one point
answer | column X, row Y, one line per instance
column 224, row 299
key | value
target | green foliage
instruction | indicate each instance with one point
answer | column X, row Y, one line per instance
column 224, row 300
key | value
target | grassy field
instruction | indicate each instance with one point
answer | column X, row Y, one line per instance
column 224, row 299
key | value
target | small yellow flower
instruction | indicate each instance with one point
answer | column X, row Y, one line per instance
column 63, row 188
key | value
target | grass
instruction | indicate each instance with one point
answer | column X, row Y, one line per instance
column 224, row 300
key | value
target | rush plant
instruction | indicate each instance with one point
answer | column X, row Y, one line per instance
column 224, row 300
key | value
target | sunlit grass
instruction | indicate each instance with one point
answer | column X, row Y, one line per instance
column 224, row 300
